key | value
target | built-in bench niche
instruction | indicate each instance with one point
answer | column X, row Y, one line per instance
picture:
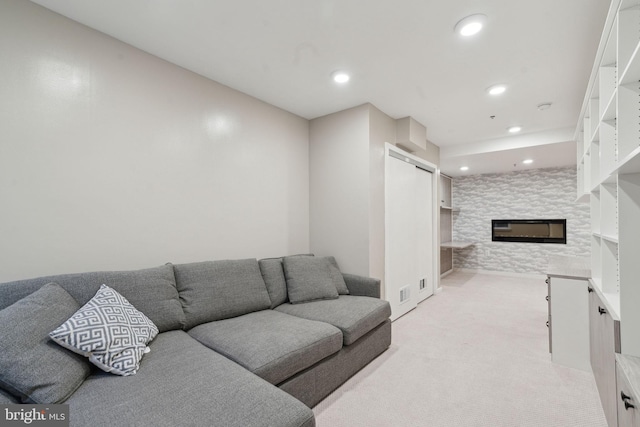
column 529, row 230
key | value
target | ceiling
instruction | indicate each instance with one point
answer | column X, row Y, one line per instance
column 403, row 57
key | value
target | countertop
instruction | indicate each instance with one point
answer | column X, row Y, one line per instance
column 569, row 267
column 456, row 245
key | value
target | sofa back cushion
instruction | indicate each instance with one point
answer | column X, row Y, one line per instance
column 308, row 279
column 32, row 367
column 273, row 276
column 336, row 276
column 215, row 290
column 152, row 291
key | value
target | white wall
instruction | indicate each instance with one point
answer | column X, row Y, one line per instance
column 347, row 187
column 111, row 158
column 339, row 195
column 382, row 128
column 537, row 193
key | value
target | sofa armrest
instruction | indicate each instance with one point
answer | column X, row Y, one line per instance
column 362, row 286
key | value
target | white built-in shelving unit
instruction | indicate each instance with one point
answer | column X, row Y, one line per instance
column 608, row 140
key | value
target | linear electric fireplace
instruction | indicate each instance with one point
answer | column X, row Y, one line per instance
column 529, row 230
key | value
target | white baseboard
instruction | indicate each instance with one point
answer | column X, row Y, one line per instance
column 502, row 273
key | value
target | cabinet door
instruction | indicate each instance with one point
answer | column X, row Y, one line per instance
column 569, row 317
column 602, row 334
column 628, row 411
column 445, row 191
column 548, row 282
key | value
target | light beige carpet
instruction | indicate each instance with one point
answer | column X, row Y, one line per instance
column 476, row 354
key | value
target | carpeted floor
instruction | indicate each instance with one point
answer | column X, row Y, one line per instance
column 476, row 354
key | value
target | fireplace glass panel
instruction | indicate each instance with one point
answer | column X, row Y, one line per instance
column 529, row 230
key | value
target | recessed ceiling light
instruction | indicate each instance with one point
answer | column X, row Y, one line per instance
column 470, row 25
column 496, row 90
column 340, row 76
column 464, row 168
column 527, row 161
column 515, row 129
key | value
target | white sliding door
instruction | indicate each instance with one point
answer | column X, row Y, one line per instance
column 400, row 245
column 424, row 235
column 409, row 232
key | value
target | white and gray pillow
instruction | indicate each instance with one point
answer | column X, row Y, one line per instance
column 108, row 330
column 32, row 367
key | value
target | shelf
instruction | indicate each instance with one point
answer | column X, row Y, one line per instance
column 632, row 72
column 449, row 208
column 456, row 245
column 609, row 179
column 608, row 143
column 609, row 210
column 595, row 213
column 610, row 108
column 583, row 198
column 594, row 123
column 630, row 164
column 628, row 126
column 610, row 275
column 608, row 91
column 586, row 132
column 595, row 164
column 628, row 43
column 611, row 239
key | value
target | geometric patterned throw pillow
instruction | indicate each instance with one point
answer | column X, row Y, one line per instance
column 108, row 330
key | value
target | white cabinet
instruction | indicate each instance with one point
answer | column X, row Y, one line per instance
column 608, row 136
column 628, row 390
column 604, row 337
column 568, row 322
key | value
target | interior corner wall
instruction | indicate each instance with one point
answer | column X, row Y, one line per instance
column 339, row 188
column 382, row 128
column 532, row 194
column 111, row 158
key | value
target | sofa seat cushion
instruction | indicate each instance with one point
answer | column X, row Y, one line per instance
column 6, row 397
column 183, row 383
column 270, row 344
column 353, row 315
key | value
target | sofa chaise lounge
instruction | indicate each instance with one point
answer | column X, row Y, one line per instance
column 240, row 343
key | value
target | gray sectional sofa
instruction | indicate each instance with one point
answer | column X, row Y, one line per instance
column 241, row 342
